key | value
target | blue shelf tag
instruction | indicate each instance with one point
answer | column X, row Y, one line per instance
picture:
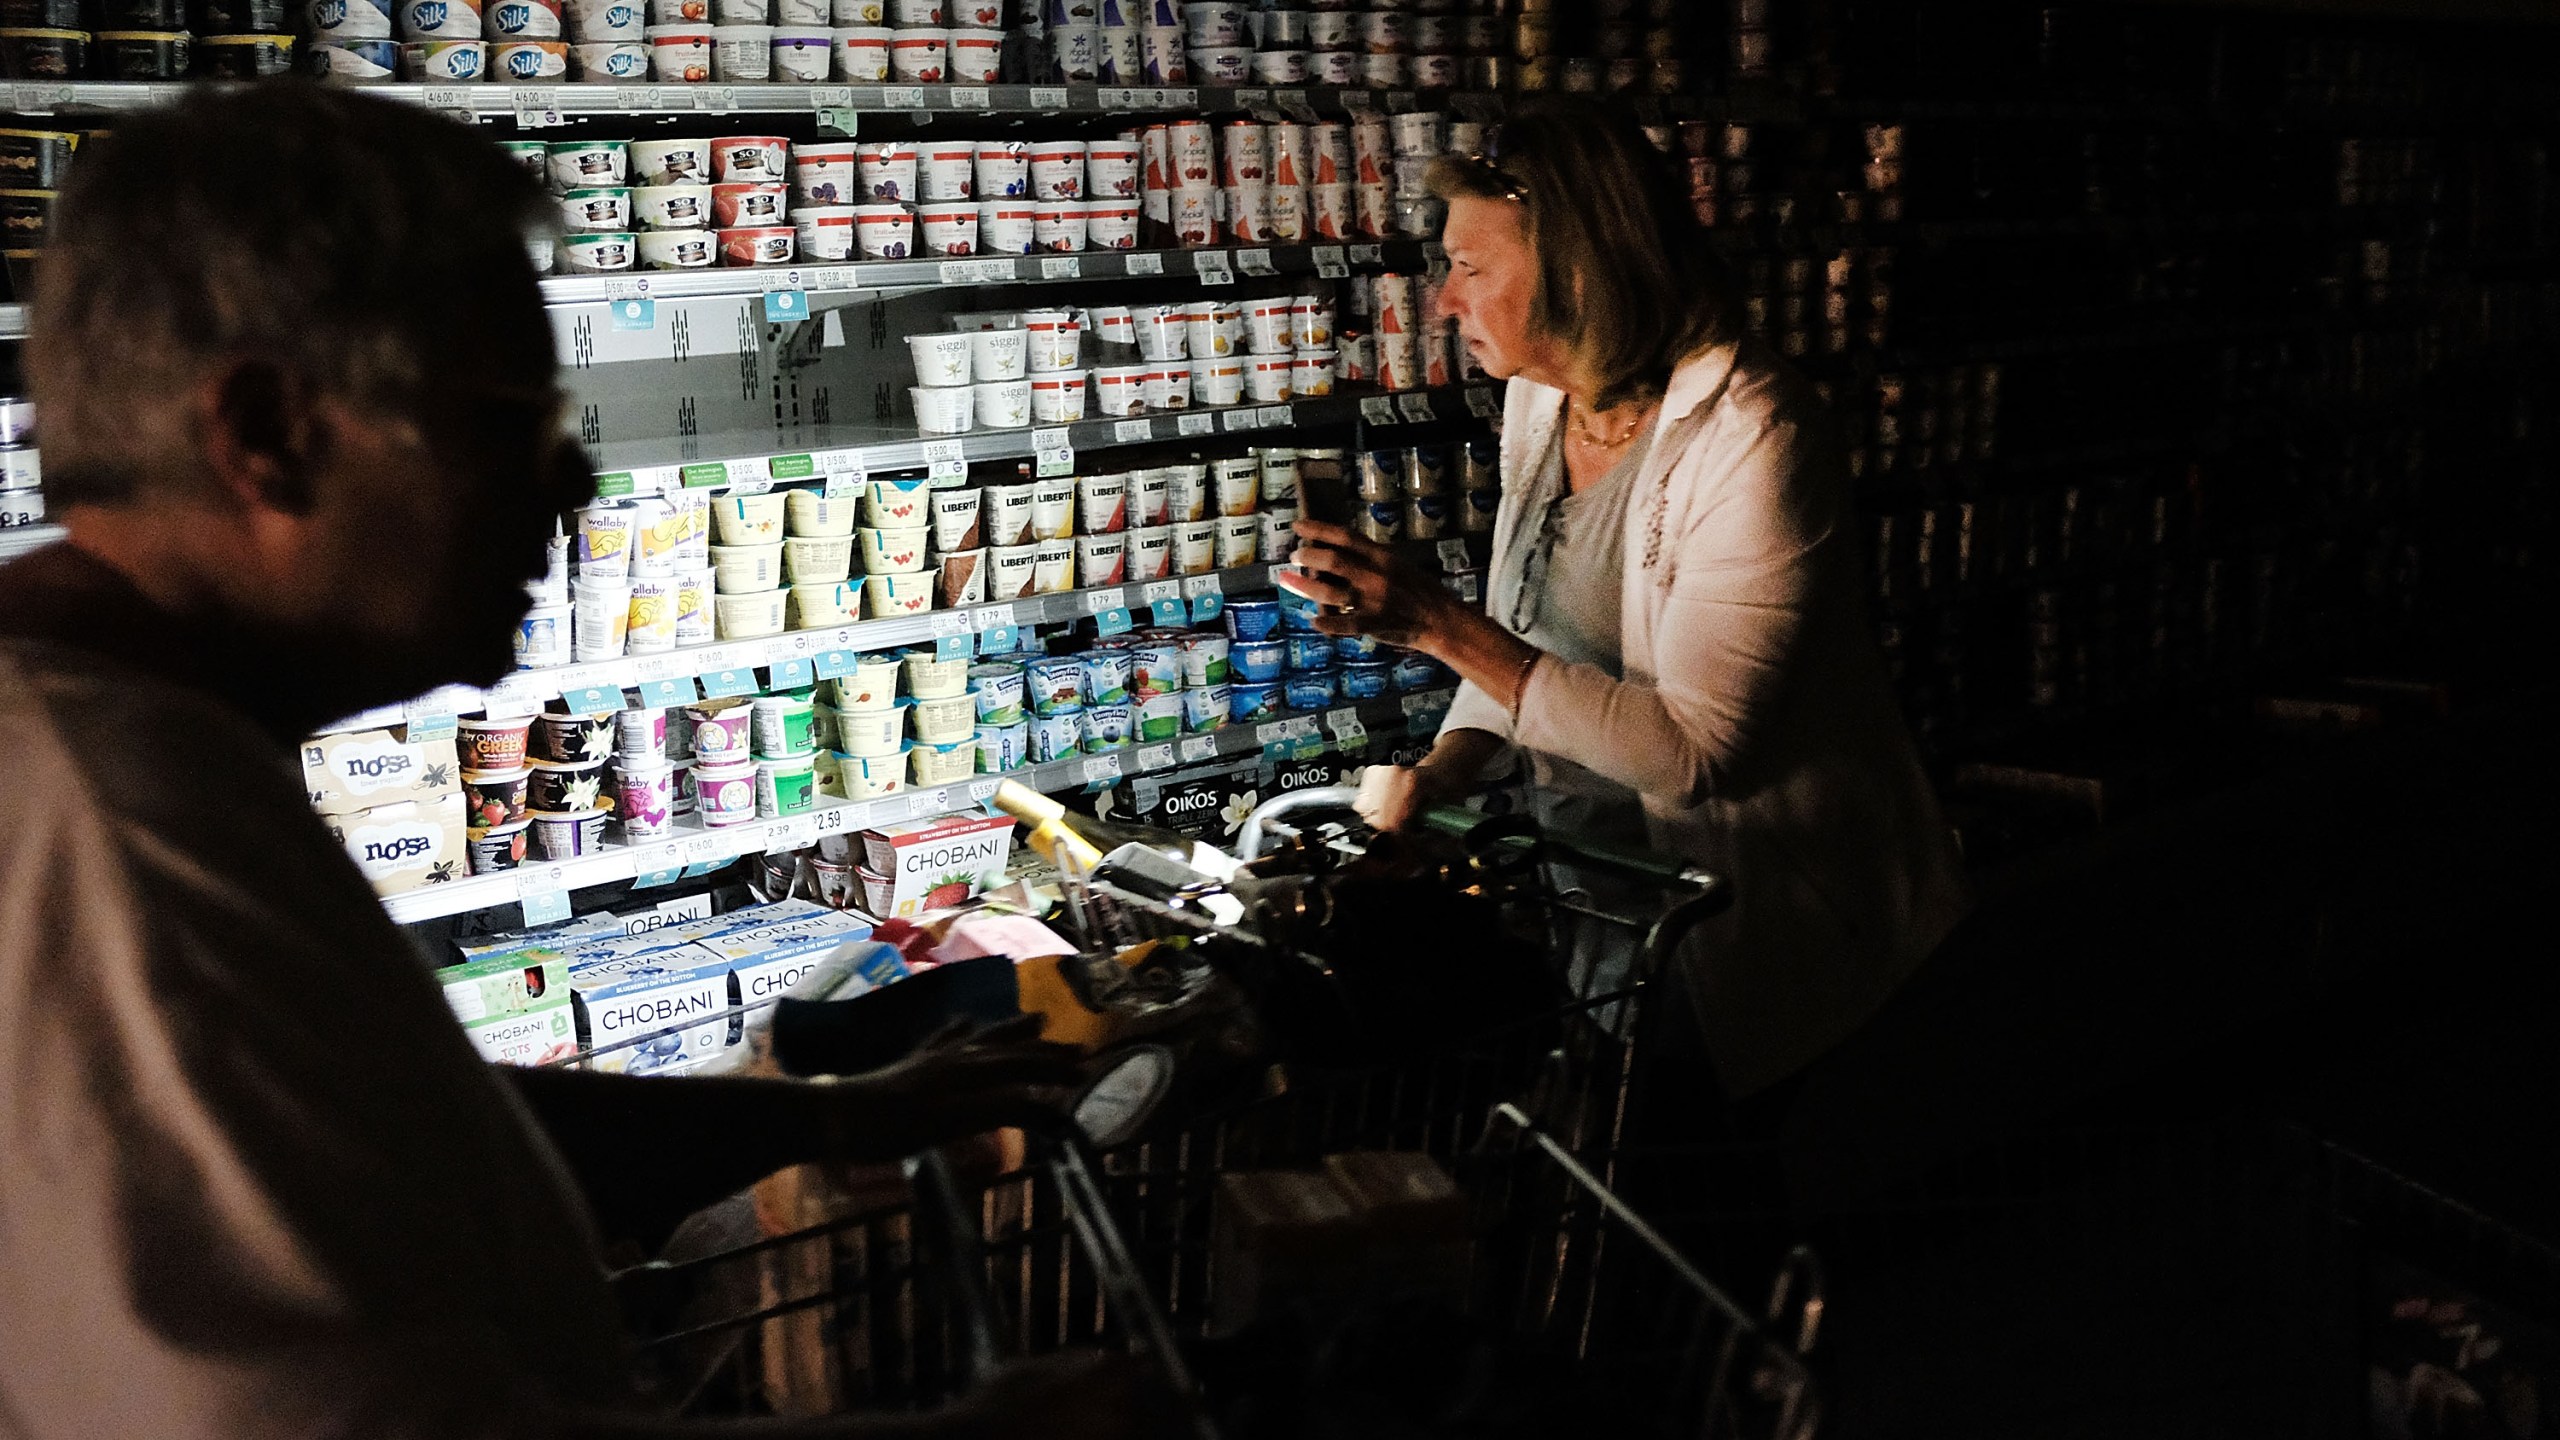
column 664, row 694
column 783, row 306
column 791, row 674
column 1205, row 608
column 952, row 647
column 723, row 684
column 656, row 878
column 1168, row 612
column 832, row 663
column 546, row 907
column 592, row 700
column 999, row 640
column 698, row 870
column 641, row 314
column 1114, row 621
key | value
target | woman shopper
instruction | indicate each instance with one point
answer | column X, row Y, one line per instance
column 1675, row 625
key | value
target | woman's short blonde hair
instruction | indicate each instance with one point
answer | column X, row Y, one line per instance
column 1626, row 279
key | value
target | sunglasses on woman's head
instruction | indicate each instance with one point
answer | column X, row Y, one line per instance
column 1483, row 160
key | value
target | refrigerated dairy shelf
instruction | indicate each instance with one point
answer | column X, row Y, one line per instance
column 694, row 844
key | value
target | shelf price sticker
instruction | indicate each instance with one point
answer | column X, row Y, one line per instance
column 1274, row 415
column 1480, row 402
column 1378, row 410
column 1208, row 598
column 847, row 473
column 1453, row 557
column 1133, row 432
column 537, row 109
column 823, row 98
column 1163, row 599
column 729, row 683
column 1193, row 423
column 996, row 633
column 968, row 97
column 1103, row 771
column 783, row 307
column 545, row 907
column 1293, row 103
column 1256, row 262
column 1061, row 267
column 1048, row 97
column 982, row 791
column 652, row 879
column 592, row 699
column 791, row 674
column 1368, row 255
column 1243, row 417
column 635, row 314
column 1143, row 262
column 952, row 637
column 1196, row 748
column 1416, row 407
column 1213, row 268
column 1331, row 262
column 830, row 664
column 946, row 460
column 1110, row 612
column 714, row 99
column 902, row 97
column 1053, row 452
column 751, row 476
column 1349, row 735
column 1154, row 757
column 663, row 694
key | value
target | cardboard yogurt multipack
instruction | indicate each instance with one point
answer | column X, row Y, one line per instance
column 936, row 863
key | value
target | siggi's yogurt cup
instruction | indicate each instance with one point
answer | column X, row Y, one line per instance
column 610, row 61
column 529, row 59
column 758, row 245
column 942, row 358
column 678, row 249
column 1002, row 404
column 943, row 411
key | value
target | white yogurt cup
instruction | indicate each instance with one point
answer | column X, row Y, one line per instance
column 1006, row 227
column 886, row 170
column 1057, row 398
column 949, row 228
column 742, row 52
column 1057, row 170
column 943, row 411
column 826, row 232
column 1058, row 226
column 942, row 359
column 919, row 57
column 1120, row 391
column 678, row 250
column 672, row 207
column 1051, row 341
column 1111, row 169
column 850, row 13
column 884, row 231
column 595, row 22
column 826, row 174
column 1111, row 224
column 861, row 51
column 945, row 170
column 598, row 254
column 802, row 54
column 974, row 57
column 680, row 54
column 1003, row 168
column 1003, row 404
column 998, row 354
column 612, row 62
column 1268, row 378
column 1217, row 382
column 670, row 162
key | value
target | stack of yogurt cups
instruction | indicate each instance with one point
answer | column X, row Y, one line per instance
column 961, row 197
column 1116, row 42
column 641, row 585
column 1264, row 351
column 675, row 204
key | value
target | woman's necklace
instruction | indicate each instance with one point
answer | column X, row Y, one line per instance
column 1582, row 423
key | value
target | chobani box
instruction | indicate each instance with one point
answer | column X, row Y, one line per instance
column 362, row 769
column 401, row 847
column 681, row 990
column 568, row 934
column 930, row 864
column 769, row 976
column 766, row 935
column 516, row 1008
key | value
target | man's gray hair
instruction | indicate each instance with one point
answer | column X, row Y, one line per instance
column 352, row 242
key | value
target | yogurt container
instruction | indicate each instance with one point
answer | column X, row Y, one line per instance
column 1308, row 652
column 680, row 54
column 523, row 19
column 672, row 207
column 498, row 848
column 998, row 688
column 1258, row 661
column 678, row 249
column 1409, row 673
column 942, row 764
column 1108, row 727
column 570, row 739
column 872, row 733
column 1159, row 717
column 1249, row 703
column 543, row 638
column 758, row 245
column 750, row 158
column 942, row 722
column 610, row 62
column 644, row 800
column 1105, row 672
column 493, row 745
column 494, row 798
column 1204, row 708
column 1309, row 689
column 1054, row 685
column 786, row 787
column 556, row 786
column 1365, row 680
column 1056, row 736
column 1252, row 619
column 602, row 252
column 722, row 731
column 783, row 726
column 725, row 792
column 867, row 777
column 1204, row 660
column 671, row 162
column 1155, row 666
column 1003, row 746
column 514, row 59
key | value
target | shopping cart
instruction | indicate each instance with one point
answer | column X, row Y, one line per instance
column 1578, row 1310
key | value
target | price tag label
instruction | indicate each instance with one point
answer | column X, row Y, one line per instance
column 927, row 802
column 1378, row 410
column 1368, row 255
column 1293, row 103
column 982, row 791
column 946, row 460
column 791, row 674
column 1102, row 771
column 1097, row 601
column 1048, row 97
column 752, row 476
column 832, row 663
column 1242, row 418
column 1114, row 621
column 1177, row 99
column 829, row 821
column 954, row 647
column 1061, row 267
column 1330, row 262
column 1348, row 733
column 1480, row 402
column 730, row 683
column 1053, row 452
column 592, row 699
column 1196, row 748
column 1207, row 596
column 653, row 879
column 800, row 831
column 902, row 97
column 1145, row 263
column 830, row 97
column 537, row 109
column 546, row 907
column 446, row 97
column 704, row 850
column 1252, row 99
column 1358, row 102
column 635, row 314
column 1163, row 600
column 512, row 697
column 1256, row 262
column 1154, row 757
column 1416, row 407
column 714, row 99
column 782, row 307
column 1192, row 423
column 846, row 474
column 661, row 694
column 1270, row 415
column 1213, row 269
column 1133, row 432
column 968, row 97
column 422, row 728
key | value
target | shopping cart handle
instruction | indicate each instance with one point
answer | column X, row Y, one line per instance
column 1464, row 824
